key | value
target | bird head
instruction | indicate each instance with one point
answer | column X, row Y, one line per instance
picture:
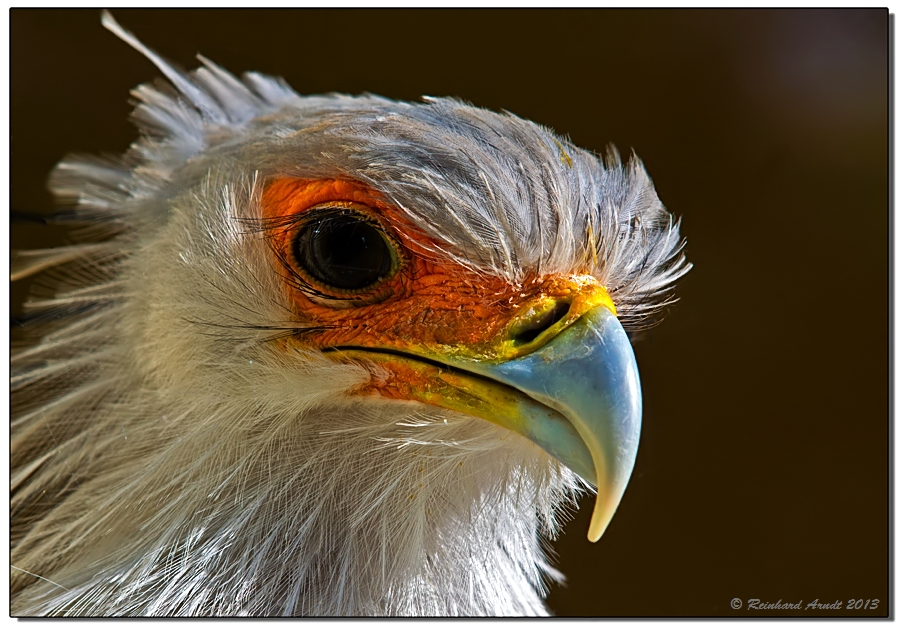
column 329, row 355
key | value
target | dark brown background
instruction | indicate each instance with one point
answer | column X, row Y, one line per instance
column 763, row 470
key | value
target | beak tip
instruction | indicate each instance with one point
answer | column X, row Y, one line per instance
column 604, row 510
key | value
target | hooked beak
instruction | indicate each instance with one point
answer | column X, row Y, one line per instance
column 588, row 374
column 577, row 396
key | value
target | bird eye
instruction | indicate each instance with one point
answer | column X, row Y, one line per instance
column 344, row 250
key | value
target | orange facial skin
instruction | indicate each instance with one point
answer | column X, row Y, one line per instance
column 430, row 309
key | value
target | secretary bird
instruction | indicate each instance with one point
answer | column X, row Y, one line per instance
column 326, row 355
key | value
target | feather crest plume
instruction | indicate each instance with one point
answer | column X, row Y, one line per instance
column 166, row 460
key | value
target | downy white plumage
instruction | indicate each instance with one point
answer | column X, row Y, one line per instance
column 168, row 459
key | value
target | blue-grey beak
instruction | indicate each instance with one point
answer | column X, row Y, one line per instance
column 588, row 374
column 578, row 397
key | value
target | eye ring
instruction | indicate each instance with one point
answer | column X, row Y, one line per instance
column 344, row 252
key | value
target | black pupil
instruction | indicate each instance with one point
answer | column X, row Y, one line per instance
column 343, row 250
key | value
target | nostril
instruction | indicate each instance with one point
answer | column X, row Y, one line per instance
column 530, row 331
